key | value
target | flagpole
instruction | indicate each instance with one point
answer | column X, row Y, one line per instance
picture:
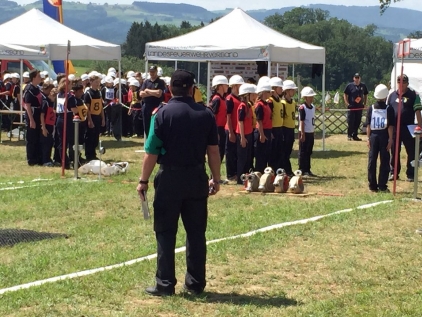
column 65, row 109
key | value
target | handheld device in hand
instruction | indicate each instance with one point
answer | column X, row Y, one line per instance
column 144, row 205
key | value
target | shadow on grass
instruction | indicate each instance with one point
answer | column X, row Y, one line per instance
column 13, row 142
column 114, row 144
column 329, row 154
column 241, row 300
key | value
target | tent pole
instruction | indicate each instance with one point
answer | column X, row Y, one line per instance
column 21, row 91
column 293, row 72
column 120, row 97
column 199, row 72
column 175, row 65
column 323, row 106
column 146, row 67
column 269, row 61
column 208, row 82
column 277, row 70
column 393, row 82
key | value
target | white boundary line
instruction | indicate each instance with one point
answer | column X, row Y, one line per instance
column 182, row 249
column 33, row 181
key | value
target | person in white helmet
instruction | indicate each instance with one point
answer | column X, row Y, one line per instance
column 107, row 93
column 274, row 102
column 220, row 85
column 232, row 104
column 262, row 134
column 289, row 124
column 135, row 109
column 15, row 103
column 380, row 120
column 306, row 131
column 244, row 130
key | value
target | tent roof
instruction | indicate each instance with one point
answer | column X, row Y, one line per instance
column 236, row 36
column 53, row 36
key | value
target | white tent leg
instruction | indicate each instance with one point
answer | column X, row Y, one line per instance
column 269, row 68
column 175, row 65
column 146, row 67
column 277, row 70
column 199, row 73
column 323, row 107
column 21, row 91
column 293, row 72
column 208, row 81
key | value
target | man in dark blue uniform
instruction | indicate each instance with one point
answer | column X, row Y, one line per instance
column 355, row 97
column 152, row 95
column 181, row 133
column 408, row 111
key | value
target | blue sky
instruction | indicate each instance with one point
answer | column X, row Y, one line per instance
column 253, row 4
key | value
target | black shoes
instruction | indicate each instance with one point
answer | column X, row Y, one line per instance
column 156, row 292
column 355, row 138
column 192, row 291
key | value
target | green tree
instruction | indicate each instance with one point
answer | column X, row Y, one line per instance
column 349, row 49
column 185, row 25
column 415, row 35
column 384, row 4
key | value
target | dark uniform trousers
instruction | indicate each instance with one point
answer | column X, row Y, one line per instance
column 47, row 143
column 127, row 129
column 276, row 148
column 92, row 137
column 137, row 122
column 231, row 156
column 221, row 142
column 116, row 120
column 70, row 136
column 182, row 192
column 33, row 148
column 354, row 118
column 378, row 145
column 146, row 115
column 244, row 156
column 305, row 152
column 262, row 150
column 107, row 113
column 287, row 148
column 409, row 144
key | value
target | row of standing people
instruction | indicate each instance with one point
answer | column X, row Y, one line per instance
column 256, row 125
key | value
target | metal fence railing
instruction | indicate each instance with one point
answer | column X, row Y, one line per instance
column 335, row 121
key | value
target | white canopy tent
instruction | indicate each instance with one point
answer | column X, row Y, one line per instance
column 16, row 52
column 412, row 65
column 53, row 37
column 238, row 37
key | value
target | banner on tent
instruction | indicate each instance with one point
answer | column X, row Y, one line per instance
column 182, row 53
column 245, row 69
column 13, row 51
column 415, row 54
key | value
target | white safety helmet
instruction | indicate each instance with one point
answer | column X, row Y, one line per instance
column 70, row 77
column 123, row 81
column 15, row 75
column 381, row 92
column 130, row 74
column 289, row 84
column 42, row 75
column 236, row 80
column 7, row 76
column 111, row 70
column 102, row 81
column 45, row 73
column 25, row 75
column 108, row 79
column 263, row 79
column 247, row 89
column 159, row 71
column 48, row 81
column 276, row 82
column 55, row 83
column 307, row 92
column 219, row 80
column 112, row 74
column 144, row 76
column 84, row 77
column 167, row 80
column 116, row 82
column 263, row 86
column 134, row 82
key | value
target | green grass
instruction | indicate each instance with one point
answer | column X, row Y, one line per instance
column 362, row 263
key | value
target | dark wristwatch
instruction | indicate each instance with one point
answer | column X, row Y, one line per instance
column 143, row 182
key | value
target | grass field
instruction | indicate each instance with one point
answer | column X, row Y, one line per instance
column 361, row 263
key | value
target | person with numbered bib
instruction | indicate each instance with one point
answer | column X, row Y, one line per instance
column 96, row 119
column 48, row 121
column 380, row 122
column 274, row 102
column 220, row 85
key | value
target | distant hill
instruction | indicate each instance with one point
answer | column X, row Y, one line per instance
column 111, row 22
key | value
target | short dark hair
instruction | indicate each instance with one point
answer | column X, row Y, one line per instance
column 60, row 76
column 33, row 73
column 77, row 85
column 180, row 91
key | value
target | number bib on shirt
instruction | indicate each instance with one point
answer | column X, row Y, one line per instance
column 82, row 111
column 96, row 106
column 379, row 119
column 109, row 93
column 60, row 105
column 50, row 116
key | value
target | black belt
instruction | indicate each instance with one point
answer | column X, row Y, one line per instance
column 182, row 168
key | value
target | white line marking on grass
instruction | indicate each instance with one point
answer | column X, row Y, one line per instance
column 23, row 182
column 182, row 249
